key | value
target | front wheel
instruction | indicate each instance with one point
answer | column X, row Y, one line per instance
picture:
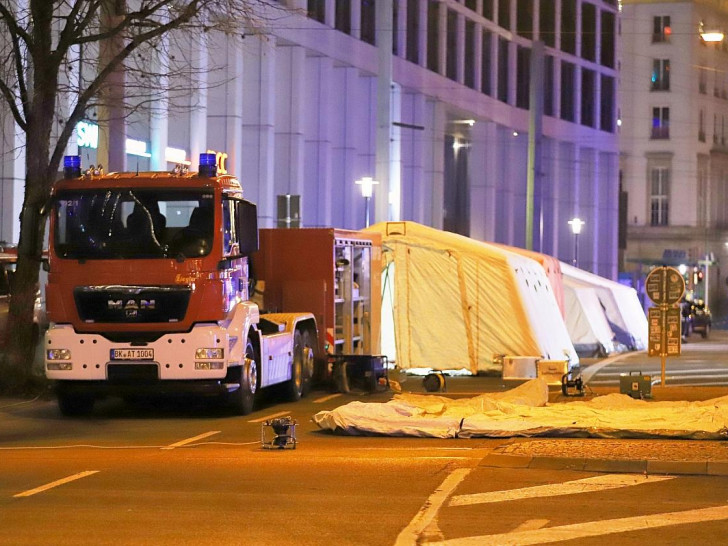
column 243, row 399
column 706, row 331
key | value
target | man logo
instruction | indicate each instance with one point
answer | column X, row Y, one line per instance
column 131, row 305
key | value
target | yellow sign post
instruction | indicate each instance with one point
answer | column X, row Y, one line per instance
column 665, row 286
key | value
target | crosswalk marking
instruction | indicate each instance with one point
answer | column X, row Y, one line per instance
column 592, row 528
column 586, row 485
column 428, row 512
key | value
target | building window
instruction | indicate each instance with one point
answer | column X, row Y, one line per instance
column 368, row 18
column 343, row 16
column 659, row 198
column 607, row 39
column 660, row 122
column 568, row 112
column 524, row 18
column 588, row 32
column 588, row 97
column 701, row 125
column 606, row 111
column 317, row 10
column 504, row 14
column 547, row 23
column 413, row 31
column 548, row 86
column 523, row 76
column 660, row 75
column 451, row 57
column 503, row 83
column 469, row 60
column 568, row 26
column 661, row 29
column 703, row 81
column 715, row 129
column 433, row 35
column 488, row 9
column 486, row 85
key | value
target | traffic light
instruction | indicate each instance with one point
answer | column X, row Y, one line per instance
column 697, row 276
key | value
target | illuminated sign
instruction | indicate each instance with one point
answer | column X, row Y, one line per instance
column 87, row 134
column 176, row 155
column 221, row 157
column 137, row 147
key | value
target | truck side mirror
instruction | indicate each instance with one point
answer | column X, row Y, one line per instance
column 247, row 224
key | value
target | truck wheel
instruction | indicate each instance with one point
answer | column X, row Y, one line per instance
column 308, row 362
column 300, row 372
column 243, row 399
column 74, row 404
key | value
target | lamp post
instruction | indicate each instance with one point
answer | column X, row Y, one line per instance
column 367, row 186
column 576, row 224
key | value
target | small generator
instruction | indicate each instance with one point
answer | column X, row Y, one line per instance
column 636, row 385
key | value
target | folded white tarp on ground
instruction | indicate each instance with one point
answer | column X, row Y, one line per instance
column 524, row 412
column 621, row 305
column 456, row 302
column 585, row 319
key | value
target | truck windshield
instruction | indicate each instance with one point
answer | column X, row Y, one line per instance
column 133, row 223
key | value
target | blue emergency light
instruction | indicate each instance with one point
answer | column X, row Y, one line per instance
column 208, row 165
column 72, row 166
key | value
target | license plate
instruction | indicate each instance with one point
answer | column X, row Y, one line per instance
column 132, row 354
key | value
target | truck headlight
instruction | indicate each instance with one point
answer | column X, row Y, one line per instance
column 201, row 354
column 58, row 354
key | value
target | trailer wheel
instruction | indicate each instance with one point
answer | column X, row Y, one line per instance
column 74, row 404
column 243, row 399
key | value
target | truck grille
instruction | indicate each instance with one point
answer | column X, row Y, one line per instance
column 132, row 304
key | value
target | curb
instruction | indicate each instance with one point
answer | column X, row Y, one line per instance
column 625, row 466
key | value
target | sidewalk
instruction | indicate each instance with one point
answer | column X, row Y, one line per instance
column 650, row 456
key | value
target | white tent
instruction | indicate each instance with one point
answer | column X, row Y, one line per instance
column 585, row 319
column 457, row 302
column 620, row 303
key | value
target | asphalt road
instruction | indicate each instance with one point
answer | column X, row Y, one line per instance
column 187, row 473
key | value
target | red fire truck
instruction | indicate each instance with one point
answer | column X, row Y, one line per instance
column 148, row 292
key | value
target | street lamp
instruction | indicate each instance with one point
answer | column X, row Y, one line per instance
column 367, row 186
column 710, row 35
column 576, row 224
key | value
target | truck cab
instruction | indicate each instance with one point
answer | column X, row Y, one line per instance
column 148, row 292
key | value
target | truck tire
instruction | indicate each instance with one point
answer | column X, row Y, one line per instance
column 308, row 361
column 74, row 404
column 243, row 399
column 301, row 367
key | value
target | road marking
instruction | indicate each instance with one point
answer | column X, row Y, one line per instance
column 590, row 371
column 586, row 485
column 593, row 528
column 193, row 439
column 326, row 398
column 56, row 483
column 429, row 510
column 271, row 416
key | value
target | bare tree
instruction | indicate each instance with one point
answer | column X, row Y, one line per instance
column 41, row 42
